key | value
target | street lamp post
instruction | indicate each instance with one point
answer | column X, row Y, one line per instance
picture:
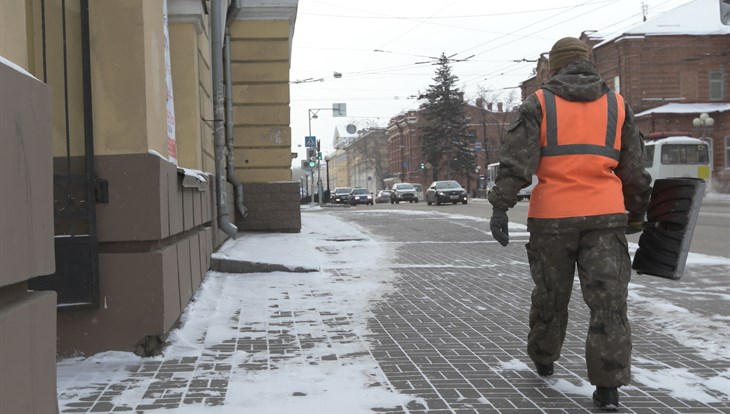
column 338, row 110
column 313, row 115
column 327, row 159
column 704, row 123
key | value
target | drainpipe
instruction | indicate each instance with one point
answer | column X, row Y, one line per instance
column 237, row 185
column 216, row 29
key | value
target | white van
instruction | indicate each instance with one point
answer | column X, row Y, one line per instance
column 524, row 194
column 677, row 157
column 492, row 170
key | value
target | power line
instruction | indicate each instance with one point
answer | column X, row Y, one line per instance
column 416, row 26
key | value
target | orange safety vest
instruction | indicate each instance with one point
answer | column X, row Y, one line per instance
column 580, row 143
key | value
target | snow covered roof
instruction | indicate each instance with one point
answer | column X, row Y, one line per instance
column 695, row 18
column 687, row 108
column 342, row 139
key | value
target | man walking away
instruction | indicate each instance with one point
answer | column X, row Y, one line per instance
column 580, row 139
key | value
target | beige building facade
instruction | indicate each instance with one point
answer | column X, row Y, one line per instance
column 163, row 130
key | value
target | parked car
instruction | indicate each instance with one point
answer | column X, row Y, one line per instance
column 403, row 192
column 360, row 196
column 383, row 196
column 447, row 191
column 341, row 194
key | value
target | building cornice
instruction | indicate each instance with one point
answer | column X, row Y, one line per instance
column 187, row 11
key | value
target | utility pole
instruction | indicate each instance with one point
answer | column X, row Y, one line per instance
column 338, row 110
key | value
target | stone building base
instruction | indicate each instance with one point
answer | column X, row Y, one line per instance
column 271, row 207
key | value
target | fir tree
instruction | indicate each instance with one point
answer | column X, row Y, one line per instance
column 445, row 138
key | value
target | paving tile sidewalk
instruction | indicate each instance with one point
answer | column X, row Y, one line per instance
column 398, row 320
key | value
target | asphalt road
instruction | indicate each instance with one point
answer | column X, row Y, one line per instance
column 711, row 235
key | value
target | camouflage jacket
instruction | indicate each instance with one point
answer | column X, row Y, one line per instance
column 520, row 150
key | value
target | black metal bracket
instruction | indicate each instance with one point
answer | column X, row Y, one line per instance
column 101, row 191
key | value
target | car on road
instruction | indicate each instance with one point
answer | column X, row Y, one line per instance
column 383, row 196
column 341, row 194
column 403, row 192
column 360, row 196
column 447, row 191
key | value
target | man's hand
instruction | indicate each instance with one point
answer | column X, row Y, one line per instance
column 634, row 227
column 498, row 225
column 635, row 224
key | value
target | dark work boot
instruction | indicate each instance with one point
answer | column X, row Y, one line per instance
column 544, row 370
column 606, row 398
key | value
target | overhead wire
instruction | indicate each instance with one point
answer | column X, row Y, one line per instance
column 500, row 71
column 416, row 26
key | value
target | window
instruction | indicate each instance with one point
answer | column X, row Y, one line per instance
column 685, row 154
column 648, row 156
column 727, row 151
column 717, row 92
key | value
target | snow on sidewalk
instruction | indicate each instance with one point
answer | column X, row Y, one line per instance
column 267, row 343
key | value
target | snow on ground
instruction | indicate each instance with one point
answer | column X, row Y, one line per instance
column 327, row 386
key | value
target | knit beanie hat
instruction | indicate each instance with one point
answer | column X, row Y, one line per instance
column 565, row 51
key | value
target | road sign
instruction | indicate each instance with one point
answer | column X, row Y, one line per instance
column 478, row 146
column 310, row 142
column 339, row 109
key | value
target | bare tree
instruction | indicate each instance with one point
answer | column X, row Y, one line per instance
column 500, row 110
column 369, row 151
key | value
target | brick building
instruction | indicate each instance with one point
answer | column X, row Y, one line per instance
column 670, row 69
column 405, row 147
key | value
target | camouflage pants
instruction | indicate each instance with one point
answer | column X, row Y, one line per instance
column 604, row 269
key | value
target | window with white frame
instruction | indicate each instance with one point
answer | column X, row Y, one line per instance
column 727, row 151
column 717, row 91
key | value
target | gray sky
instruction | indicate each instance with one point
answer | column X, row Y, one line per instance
column 385, row 50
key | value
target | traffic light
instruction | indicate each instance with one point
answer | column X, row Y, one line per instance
column 423, row 165
column 312, row 156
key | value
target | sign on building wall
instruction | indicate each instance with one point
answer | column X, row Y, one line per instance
column 171, row 142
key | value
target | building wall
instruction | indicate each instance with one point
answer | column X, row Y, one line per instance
column 155, row 242
column 158, row 229
column 655, row 70
column 184, row 62
column 155, row 234
column 128, row 74
column 13, row 38
column 27, row 318
column 405, row 148
column 368, row 164
column 340, row 164
column 260, row 59
column 260, row 69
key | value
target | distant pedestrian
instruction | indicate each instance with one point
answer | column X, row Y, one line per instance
column 580, row 139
